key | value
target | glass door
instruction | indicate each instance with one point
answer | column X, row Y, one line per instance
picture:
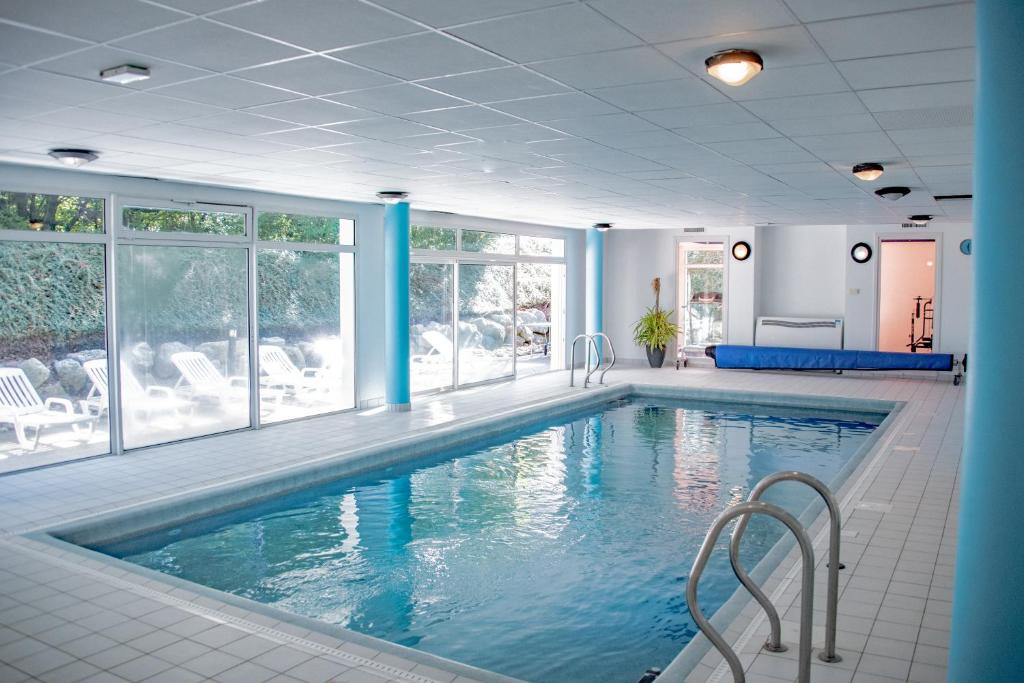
column 486, row 349
column 432, row 325
column 701, row 294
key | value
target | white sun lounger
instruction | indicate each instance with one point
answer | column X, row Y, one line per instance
column 21, row 406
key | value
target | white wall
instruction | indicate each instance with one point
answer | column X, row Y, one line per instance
column 794, row 271
column 793, row 256
column 635, row 257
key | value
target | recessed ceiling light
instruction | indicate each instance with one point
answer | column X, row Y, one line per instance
column 734, row 67
column 125, row 74
column 392, row 196
column 893, row 193
column 870, row 171
column 74, row 157
column 920, row 218
column 602, row 227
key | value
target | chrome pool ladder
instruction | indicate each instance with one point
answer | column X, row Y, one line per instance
column 754, row 505
column 591, row 343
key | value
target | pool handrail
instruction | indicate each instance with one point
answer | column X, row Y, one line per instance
column 774, row 643
column 572, row 359
column 744, row 510
column 611, row 350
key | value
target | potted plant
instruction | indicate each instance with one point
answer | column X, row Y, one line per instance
column 655, row 329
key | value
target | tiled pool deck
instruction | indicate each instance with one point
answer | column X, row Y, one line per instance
column 67, row 617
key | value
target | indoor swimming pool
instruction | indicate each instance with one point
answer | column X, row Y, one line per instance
column 559, row 552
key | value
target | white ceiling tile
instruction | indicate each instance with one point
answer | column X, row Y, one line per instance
column 92, row 119
column 819, row 10
column 811, row 79
column 308, row 156
column 727, row 132
column 708, row 114
column 616, row 67
column 150, row 106
column 227, row 92
column 18, row 107
column 658, row 21
column 402, row 98
column 931, row 117
column 606, row 123
column 548, row 34
column 778, row 47
column 238, row 122
column 921, row 30
column 311, row 112
column 19, row 45
column 520, row 132
column 452, row 12
column 919, row 96
column 779, row 150
column 201, row 6
column 315, row 75
column 98, row 20
column 550, row 107
column 89, row 63
column 497, row 84
column 824, row 125
column 52, row 88
column 856, row 146
column 638, row 140
column 662, row 95
column 207, row 45
column 940, row 66
column 318, row 24
column 806, row 106
column 383, row 128
column 420, row 56
column 310, row 137
column 462, row 118
column 47, row 135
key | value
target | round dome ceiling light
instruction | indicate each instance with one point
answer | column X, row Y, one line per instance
column 602, row 227
column 868, row 172
column 392, row 196
column 73, row 157
column 893, row 193
column 741, row 251
column 734, row 67
column 861, row 252
column 920, row 219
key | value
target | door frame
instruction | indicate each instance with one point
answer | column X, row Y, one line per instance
column 698, row 238
column 929, row 236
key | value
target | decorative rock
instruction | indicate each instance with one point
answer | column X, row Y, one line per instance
column 469, row 335
column 141, row 357
column 83, row 357
column 216, row 351
column 36, row 371
column 162, row 366
column 295, row 354
column 273, row 341
column 309, row 352
column 72, row 376
column 493, row 333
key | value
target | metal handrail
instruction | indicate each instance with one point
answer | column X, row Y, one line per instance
column 611, row 349
column 774, row 643
column 572, row 360
column 806, row 589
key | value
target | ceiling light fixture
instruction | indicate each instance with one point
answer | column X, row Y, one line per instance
column 734, row 67
column 893, row 193
column 392, row 196
column 868, row 172
column 125, row 74
column 602, row 227
column 920, row 219
column 73, row 157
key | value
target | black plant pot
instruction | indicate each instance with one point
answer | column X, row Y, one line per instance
column 656, row 357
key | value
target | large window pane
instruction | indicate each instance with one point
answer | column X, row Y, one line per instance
column 486, row 322
column 541, row 246
column 50, row 212
column 306, row 332
column 184, row 325
column 52, row 326
column 433, row 238
column 540, row 318
column 292, row 227
column 222, row 223
column 431, row 318
column 488, row 242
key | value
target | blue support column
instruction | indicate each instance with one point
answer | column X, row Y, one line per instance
column 988, row 602
column 396, row 305
column 595, row 282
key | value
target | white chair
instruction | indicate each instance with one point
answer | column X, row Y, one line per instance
column 144, row 401
column 441, row 348
column 278, row 370
column 201, row 379
column 21, row 406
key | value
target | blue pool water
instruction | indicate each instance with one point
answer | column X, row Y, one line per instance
column 560, row 554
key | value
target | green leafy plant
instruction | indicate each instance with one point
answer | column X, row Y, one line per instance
column 655, row 329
